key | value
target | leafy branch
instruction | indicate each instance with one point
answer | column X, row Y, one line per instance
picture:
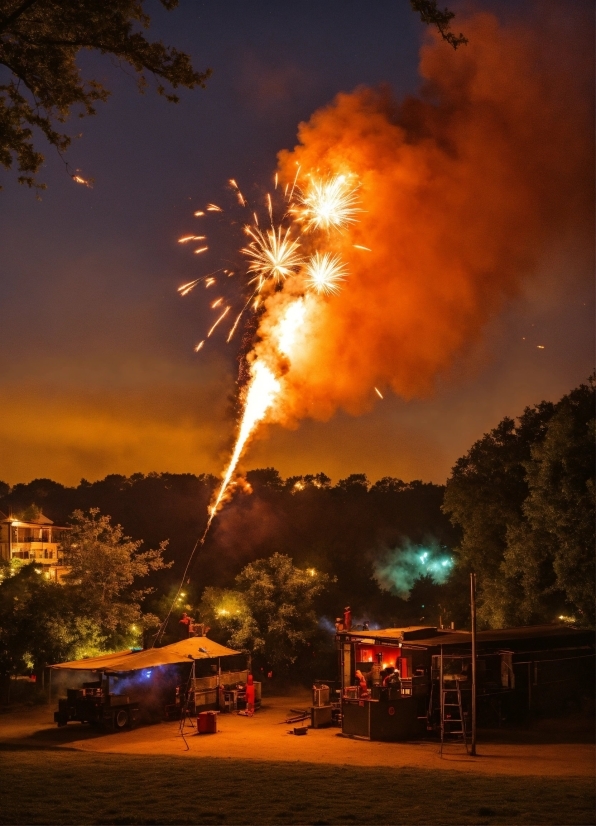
column 39, row 44
column 432, row 16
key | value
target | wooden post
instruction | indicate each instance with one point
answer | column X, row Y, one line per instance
column 441, row 703
column 473, row 616
column 50, row 688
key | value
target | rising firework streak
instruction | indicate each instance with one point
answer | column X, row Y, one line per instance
column 293, row 260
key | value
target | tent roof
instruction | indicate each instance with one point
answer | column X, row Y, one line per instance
column 194, row 648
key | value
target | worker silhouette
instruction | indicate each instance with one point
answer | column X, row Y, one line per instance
column 250, row 696
column 184, row 627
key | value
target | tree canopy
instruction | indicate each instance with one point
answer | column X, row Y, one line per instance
column 39, row 44
column 40, row 623
column 340, row 529
column 271, row 614
column 524, row 498
column 96, row 608
column 104, row 565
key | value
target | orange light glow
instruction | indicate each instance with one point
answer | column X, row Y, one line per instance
column 78, row 179
column 261, row 393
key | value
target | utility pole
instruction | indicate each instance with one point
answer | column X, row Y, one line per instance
column 473, row 614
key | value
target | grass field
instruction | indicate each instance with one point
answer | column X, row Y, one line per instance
column 65, row 787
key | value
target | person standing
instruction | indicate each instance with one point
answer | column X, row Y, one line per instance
column 250, row 696
column 184, row 627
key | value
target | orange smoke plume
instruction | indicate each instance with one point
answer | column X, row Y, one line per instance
column 462, row 192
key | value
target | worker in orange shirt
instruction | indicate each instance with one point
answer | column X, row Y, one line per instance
column 250, row 696
column 184, row 626
column 363, row 688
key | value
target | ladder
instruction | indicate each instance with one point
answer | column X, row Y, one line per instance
column 453, row 724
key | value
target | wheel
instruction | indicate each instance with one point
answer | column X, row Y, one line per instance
column 121, row 719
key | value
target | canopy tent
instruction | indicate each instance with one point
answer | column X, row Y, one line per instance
column 194, row 648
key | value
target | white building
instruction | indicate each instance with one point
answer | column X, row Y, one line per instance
column 37, row 540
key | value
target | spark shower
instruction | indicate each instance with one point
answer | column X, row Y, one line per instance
column 291, row 266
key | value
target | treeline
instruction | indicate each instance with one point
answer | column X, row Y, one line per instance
column 518, row 509
column 342, row 530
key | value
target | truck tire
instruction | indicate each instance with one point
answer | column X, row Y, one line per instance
column 121, row 719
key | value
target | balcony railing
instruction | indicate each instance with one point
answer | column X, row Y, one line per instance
column 50, row 559
column 29, row 542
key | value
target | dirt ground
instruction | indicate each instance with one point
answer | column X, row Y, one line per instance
column 559, row 748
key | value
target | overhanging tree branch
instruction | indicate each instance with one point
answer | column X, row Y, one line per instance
column 432, row 16
column 39, row 44
column 12, row 18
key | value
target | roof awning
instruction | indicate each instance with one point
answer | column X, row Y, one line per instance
column 419, row 636
column 194, row 648
column 395, row 635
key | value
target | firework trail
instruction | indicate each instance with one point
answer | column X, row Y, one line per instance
column 285, row 263
column 261, row 394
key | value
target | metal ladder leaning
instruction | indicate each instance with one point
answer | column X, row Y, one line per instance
column 452, row 716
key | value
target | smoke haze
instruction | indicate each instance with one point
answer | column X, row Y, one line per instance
column 464, row 192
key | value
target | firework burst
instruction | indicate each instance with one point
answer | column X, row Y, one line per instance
column 324, row 273
column 273, row 254
column 328, row 203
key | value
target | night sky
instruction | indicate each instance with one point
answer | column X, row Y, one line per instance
column 98, row 370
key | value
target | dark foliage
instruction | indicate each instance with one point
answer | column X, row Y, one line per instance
column 39, row 44
column 524, row 498
column 433, row 16
column 339, row 530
